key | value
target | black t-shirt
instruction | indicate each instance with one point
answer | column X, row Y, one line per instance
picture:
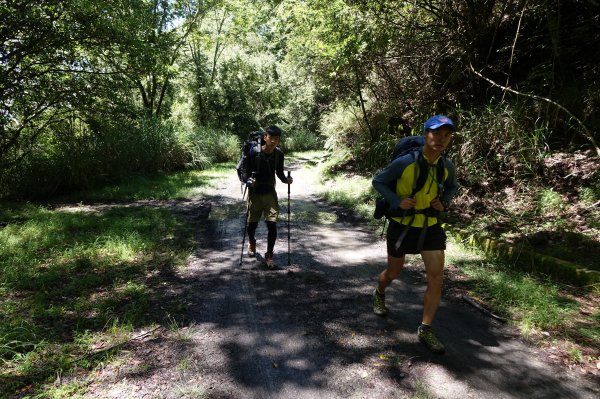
column 266, row 167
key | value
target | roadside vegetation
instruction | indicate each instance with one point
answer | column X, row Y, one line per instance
column 77, row 280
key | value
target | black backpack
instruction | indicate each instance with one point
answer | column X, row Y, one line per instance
column 411, row 145
column 254, row 139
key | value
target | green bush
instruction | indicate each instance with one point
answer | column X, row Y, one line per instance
column 340, row 126
column 300, row 140
column 71, row 158
column 549, row 202
column 497, row 144
column 206, row 146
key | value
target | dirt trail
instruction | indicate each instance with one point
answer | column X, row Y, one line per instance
column 307, row 330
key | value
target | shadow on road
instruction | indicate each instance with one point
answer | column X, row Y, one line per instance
column 307, row 330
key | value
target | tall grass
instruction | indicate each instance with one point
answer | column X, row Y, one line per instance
column 206, row 146
column 74, row 156
column 340, row 127
column 300, row 140
column 498, row 144
column 495, row 144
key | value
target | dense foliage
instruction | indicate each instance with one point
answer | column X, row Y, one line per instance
column 93, row 91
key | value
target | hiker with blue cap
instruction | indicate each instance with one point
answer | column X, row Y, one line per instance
column 417, row 187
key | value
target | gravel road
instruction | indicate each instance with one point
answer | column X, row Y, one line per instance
column 306, row 330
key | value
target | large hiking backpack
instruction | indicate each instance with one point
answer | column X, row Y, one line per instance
column 407, row 145
column 254, row 139
column 411, row 145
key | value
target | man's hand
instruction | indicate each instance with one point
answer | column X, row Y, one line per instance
column 251, row 182
column 290, row 180
column 437, row 205
column 407, row 203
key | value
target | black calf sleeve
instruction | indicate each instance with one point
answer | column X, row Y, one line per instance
column 252, row 231
column 271, row 235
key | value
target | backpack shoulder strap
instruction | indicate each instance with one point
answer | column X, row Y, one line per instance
column 421, row 172
column 441, row 175
column 256, row 157
column 417, row 172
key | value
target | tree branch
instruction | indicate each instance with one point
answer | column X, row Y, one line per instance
column 512, row 51
column 586, row 131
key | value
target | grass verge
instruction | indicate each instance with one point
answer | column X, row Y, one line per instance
column 349, row 191
column 160, row 186
column 550, row 314
column 73, row 282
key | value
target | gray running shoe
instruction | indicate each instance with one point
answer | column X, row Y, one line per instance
column 427, row 337
column 379, row 304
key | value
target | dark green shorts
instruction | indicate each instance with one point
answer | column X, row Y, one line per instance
column 266, row 204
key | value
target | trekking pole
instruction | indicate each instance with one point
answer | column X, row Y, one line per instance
column 383, row 229
column 288, row 176
column 245, row 220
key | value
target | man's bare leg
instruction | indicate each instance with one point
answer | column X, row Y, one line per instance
column 392, row 271
column 434, row 267
column 394, row 267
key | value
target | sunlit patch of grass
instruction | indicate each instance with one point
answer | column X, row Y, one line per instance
column 69, row 390
column 590, row 195
column 312, row 157
column 184, row 365
column 313, row 215
column 75, row 282
column 162, row 186
column 193, row 391
column 182, row 333
column 532, row 304
column 422, row 391
column 575, row 354
column 76, row 285
column 591, row 329
column 122, row 248
column 393, row 359
column 354, row 192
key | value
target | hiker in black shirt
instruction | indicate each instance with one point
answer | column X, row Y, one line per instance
column 265, row 162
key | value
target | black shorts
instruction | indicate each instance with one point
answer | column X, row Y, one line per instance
column 435, row 239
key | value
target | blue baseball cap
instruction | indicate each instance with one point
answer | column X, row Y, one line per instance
column 437, row 121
